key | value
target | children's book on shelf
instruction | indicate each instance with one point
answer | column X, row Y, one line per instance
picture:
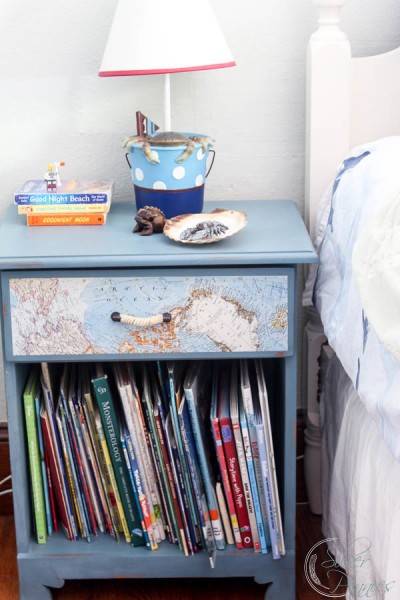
column 34, row 192
column 106, row 455
column 241, row 456
column 197, row 388
column 109, row 420
column 37, row 484
column 228, row 440
column 265, row 412
column 222, row 463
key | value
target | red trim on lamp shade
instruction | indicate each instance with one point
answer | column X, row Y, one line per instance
column 163, row 71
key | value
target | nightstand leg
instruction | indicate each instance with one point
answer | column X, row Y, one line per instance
column 282, row 590
column 29, row 588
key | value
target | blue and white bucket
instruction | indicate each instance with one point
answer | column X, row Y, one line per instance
column 175, row 188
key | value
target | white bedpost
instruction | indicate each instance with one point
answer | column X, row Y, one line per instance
column 328, row 104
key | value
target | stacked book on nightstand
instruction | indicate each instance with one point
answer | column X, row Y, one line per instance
column 72, row 203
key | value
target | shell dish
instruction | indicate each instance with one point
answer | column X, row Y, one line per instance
column 204, row 228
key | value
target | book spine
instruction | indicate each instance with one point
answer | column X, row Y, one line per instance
column 273, row 530
column 209, row 489
column 55, row 209
column 158, row 463
column 105, row 487
column 144, row 507
column 253, row 485
column 79, row 516
column 63, row 219
column 55, row 476
column 111, row 430
column 51, row 491
column 144, row 455
column 135, row 492
column 37, row 198
column 225, row 481
column 129, row 406
column 81, row 451
column 112, row 486
column 246, row 484
column 173, row 500
column 192, row 516
column 47, row 504
column 224, row 513
column 236, row 482
column 195, row 476
column 35, row 469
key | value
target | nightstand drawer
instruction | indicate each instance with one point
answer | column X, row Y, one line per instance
column 212, row 311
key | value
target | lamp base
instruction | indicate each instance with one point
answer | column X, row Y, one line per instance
column 171, row 202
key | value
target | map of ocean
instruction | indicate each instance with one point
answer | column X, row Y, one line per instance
column 209, row 314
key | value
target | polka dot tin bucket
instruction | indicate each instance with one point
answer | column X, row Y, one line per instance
column 176, row 188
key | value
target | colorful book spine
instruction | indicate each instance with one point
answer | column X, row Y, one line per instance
column 195, row 475
column 173, row 452
column 247, row 390
column 144, row 506
column 253, row 483
column 130, row 467
column 205, row 470
column 65, row 219
column 34, row 457
column 69, row 192
column 108, row 416
column 103, row 466
column 55, row 209
column 226, row 481
column 55, row 475
column 273, row 528
column 129, row 401
column 45, row 479
column 173, row 499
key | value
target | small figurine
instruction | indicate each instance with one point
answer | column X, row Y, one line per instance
column 149, row 219
column 52, row 177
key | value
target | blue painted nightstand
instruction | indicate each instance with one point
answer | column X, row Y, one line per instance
column 62, row 263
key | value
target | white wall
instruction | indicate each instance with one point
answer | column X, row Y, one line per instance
column 53, row 106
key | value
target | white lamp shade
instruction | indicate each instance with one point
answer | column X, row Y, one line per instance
column 164, row 36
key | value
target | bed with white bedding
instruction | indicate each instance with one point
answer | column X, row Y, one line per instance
column 353, row 207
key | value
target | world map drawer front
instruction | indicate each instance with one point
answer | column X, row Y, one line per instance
column 212, row 311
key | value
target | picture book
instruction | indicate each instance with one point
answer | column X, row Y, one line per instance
column 198, row 397
column 30, row 393
column 240, row 450
column 35, row 192
column 263, row 394
column 108, row 415
column 65, row 219
column 228, row 440
column 216, row 432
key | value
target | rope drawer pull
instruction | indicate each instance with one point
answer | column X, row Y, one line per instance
column 141, row 321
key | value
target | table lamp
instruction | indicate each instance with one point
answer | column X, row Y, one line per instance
column 150, row 37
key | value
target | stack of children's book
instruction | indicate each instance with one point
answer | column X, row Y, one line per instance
column 153, row 451
column 70, row 203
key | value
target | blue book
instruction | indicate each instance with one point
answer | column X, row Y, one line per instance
column 133, row 471
column 195, row 475
column 252, row 478
column 35, row 192
column 197, row 392
column 248, row 389
column 175, row 373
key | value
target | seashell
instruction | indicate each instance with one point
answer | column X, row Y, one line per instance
column 204, row 228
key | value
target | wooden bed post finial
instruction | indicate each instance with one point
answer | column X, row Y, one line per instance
column 328, row 103
column 329, row 19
